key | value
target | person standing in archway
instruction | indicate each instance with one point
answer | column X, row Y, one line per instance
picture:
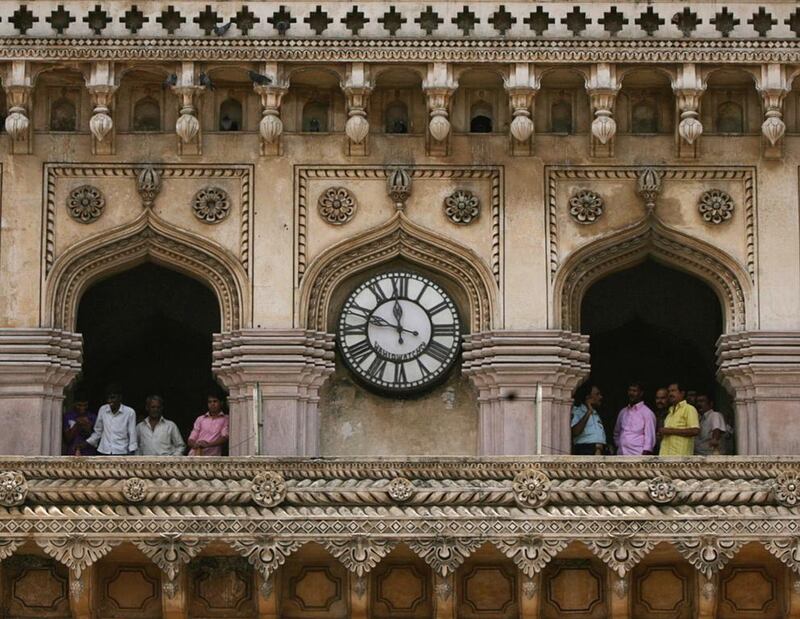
column 588, row 433
column 710, row 441
column 78, row 426
column 635, row 430
column 158, row 436
column 681, row 425
column 210, row 430
column 661, row 406
column 115, row 429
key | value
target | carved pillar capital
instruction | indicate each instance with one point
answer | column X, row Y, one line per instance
column 357, row 88
column 762, row 371
column 602, row 86
column 35, row 367
column 102, row 86
column 274, row 376
column 18, row 87
column 773, row 86
column 522, row 84
column 525, row 381
column 187, row 127
column 271, row 86
column 439, row 86
column 688, row 87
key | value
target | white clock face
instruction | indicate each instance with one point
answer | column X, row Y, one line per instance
column 399, row 332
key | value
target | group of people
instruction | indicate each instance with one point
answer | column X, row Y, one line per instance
column 114, row 431
column 684, row 423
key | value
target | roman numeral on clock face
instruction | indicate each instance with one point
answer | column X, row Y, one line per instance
column 357, row 310
column 440, row 307
column 377, row 367
column 361, row 350
column 400, row 287
column 438, row 351
column 376, row 289
column 400, row 373
column 360, row 329
column 444, row 330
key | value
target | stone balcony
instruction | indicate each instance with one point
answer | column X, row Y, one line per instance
column 261, row 537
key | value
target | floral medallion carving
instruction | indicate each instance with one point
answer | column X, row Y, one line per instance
column 268, row 489
column 85, row 204
column 531, row 488
column 787, row 490
column 400, row 489
column 462, row 207
column 715, row 206
column 13, row 489
column 134, row 489
column 585, row 206
column 211, row 205
column 661, row 489
column 337, row 205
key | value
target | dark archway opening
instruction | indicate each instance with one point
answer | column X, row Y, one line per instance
column 149, row 330
column 653, row 324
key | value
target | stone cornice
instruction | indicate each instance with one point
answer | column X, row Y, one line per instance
column 492, row 50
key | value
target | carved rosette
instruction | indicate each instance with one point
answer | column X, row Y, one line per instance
column 585, row 206
column 266, row 554
column 268, row 489
column 786, row 490
column 400, row 489
column 710, row 554
column 13, row 489
column 337, row 205
column 148, row 184
column 715, row 206
column 134, row 489
column 85, row 204
column 462, row 207
column 662, row 490
column 211, row 205
column 531, row 488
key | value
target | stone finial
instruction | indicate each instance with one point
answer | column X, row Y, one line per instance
column 399, row 187
column 648, row 186
column 148, row 184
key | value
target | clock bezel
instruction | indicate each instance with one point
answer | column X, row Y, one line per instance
column 417, row 389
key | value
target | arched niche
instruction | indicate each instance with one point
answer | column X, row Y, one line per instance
column 398, row 238
column 63, row 115
column 231, row 117
column 396, row 118
column 146, row 115
column 148, row 239
column 653, row 240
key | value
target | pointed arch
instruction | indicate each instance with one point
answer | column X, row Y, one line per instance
column 151, row 239
column 398, row 237
column 652, row 239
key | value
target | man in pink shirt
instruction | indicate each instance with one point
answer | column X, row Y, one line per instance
column 635, row 432
column 210, row 431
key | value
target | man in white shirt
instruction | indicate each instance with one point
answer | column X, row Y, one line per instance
column 158, row 436
column 115, row 429
column 712, row 428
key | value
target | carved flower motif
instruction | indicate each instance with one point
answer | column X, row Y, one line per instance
column 400, row 489
column 462, row 206
column 585, row 206
column 716, row 206
column 787, row 490
column 531, row 488
column 661, row 489
column 13, row 489
column 134, row 489
column 337, row 205
column 268, row 489
column 85, row 204
column 211, row 205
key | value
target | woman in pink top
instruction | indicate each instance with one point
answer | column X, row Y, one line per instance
column 210, row 431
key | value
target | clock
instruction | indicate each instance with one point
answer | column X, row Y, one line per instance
column 399, row 332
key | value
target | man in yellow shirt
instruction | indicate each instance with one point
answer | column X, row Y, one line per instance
column 681, row 425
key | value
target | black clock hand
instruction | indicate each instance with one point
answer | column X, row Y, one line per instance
column 380, row 322
column 397, row 311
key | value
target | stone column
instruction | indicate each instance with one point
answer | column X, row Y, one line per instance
column 35, row 367
column 18, row 125
column 272, row 89
column 688, row 88
column 439, row 86
column 510, row 368
column 274, row 377
column 773, row 86
column 102, row 86
column 522, row 84
column 187, row 127
column 603, row 86
column 762, row 371
column 357, row 88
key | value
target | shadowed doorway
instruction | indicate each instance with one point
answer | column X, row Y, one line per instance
column 653, row 324
column 149, row 329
